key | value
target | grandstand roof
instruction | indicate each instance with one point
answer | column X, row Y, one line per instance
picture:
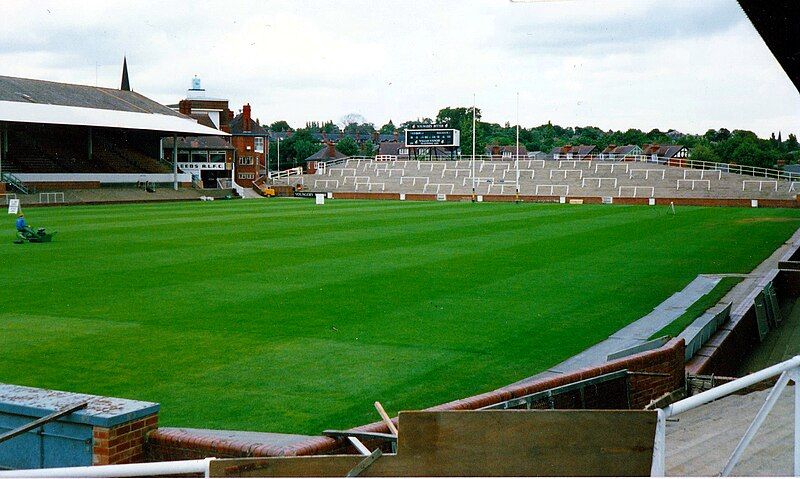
column 26, row 100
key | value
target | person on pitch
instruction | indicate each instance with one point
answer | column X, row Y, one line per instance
column 22, row 226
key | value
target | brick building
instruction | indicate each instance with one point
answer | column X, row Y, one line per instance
column 241, row 157
column 251, row 142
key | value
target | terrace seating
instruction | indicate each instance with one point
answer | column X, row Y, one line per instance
column 589, row 178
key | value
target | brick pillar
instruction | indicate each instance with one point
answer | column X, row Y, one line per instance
column 123, row 443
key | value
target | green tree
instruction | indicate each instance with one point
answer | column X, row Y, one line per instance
column 388, row 128
column 280, row 125
column 347, row 146
column 704, row 152
column 367, row 148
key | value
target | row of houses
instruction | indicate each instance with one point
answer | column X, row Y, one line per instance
column 614, row 152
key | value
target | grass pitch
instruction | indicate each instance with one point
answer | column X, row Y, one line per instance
column 285, row 316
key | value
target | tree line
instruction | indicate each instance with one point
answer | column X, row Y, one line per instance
column 717, row 145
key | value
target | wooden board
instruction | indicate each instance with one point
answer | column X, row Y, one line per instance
column 488, row 443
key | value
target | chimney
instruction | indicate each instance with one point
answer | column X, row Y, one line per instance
column 375, row 137
column 185, row 107
column 246, row 122
column 396, row 135
column 495, row 150
column 331, row 149
column 324, row 137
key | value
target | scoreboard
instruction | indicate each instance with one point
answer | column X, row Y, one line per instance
column 432, row 137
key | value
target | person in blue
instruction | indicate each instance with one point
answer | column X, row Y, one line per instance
column 22, row 226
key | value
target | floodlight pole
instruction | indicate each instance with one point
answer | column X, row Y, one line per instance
column 516, row 161
column 473, row 147
column 279, row 154
column 175, row 161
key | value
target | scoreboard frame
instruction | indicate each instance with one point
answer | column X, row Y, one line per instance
column 427, row 137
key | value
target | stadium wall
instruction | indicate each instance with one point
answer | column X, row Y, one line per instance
column 734, row 202
column 668, row 361
column 731, row 344
column 107, row 431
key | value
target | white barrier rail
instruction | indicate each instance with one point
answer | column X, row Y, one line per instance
column 611, row 167
column 693, row 182
column 636, row 190
column 552, row 189
column 457, row 170
column 599, row 181
column 51, row 197
column 687, row 173
column 787, row 370
column 414, row 179
column 761, row 183
column 369, row 186
column 336, row 183
column 567, row 172
column 355, row 179
column 170, row 468
column 647, row 172
column 438, row 187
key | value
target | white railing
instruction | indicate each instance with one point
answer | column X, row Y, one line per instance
column 724, row 167
column 552, row 189
column 51, row 197
column 788, row 370
column 567, row 172
column 693, row 183
column 599, row 181
column 284, row 175
column 5, row 197
column 647, row 172
column 170, row 468
column 636, row 190
column 760, row 183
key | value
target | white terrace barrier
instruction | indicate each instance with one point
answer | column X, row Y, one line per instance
column 599, row 181
column 552, row 189
column 787, row 370
column 51, row 197
column 636, row 189
column 760, row 183
column 566, row 173
column 702, row 174
column 693, row 183
column 632, row 172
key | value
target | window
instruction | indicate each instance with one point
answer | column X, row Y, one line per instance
column 217, row 157
column 183, row 157
column 506, row 154
column 246, row 160
column 403, row 151
column 199, row 156
column 259, row 142
column 247, row 176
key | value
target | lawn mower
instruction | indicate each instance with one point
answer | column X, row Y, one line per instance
column 31, row 236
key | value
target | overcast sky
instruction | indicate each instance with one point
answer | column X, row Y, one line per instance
column 684, row 64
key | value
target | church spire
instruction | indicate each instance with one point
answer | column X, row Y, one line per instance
column 126, row 85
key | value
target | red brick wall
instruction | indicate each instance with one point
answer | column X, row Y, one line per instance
column 2, row 188
column 122, row 444
column 241, row 143
column 175, row 444
column 738, row 202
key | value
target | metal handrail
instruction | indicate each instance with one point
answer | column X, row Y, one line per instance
column 169, row 468
column 788, row 370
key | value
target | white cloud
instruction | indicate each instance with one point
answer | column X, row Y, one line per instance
column 611, row 63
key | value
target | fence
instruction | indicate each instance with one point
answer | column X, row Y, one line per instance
column 787, row 370
column 51, row 197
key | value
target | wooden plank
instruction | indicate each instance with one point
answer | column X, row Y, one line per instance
column 488, row 443
column 529, row 443
column 42, row 421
